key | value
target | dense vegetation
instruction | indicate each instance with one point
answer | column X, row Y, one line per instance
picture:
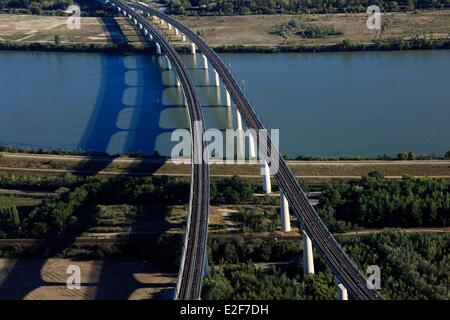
column 52, row 7
column 35, row 6
column 61, row 212
column 305, row 30
column 235, row 7
column 413, row 266
column 378, row 202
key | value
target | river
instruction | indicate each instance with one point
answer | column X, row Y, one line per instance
column 325, row 104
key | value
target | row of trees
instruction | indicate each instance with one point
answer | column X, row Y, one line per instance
column 377, row 202
column 404, row 155
column 244, row 7
column 36, row 6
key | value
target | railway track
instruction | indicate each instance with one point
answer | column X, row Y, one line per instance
column 193, row 259
column 328, row 248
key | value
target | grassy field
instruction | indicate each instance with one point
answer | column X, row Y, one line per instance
column 263, row 30
column 302, row 169
column 43, row 29
column 254, row 30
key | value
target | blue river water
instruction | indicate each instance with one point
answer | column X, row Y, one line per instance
column 327, row 104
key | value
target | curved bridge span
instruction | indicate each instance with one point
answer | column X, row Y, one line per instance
column 193, row 258
column 326, row 245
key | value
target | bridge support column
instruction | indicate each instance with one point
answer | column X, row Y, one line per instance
column 267, row 185
column 146, row 32
column 150, row 37
column 168, row 64
column 177, row 32
column 169, row 26
column 193, row 48
column 240, row 137
column 342, row 291
column 284, row 213
column 216, row 79
column 228, row 98
column 251, row 147
column 308, row 258
column 158, row 48
column 183, row 38
column 205, row 62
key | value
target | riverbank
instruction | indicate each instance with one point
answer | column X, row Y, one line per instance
column 423, row 30
column 305, row 170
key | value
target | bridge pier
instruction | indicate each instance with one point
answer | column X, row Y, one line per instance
column 158, row 48
column 342, row 291
column 183, row 38
column 267, row 185
column 169, row 26
column 228, row 98
column 168, row 64
column 284, row 213
column 216, row 79
column 205, row 62
column 150, row 37
column 177, row 32
column 251, row 147
column 240, row 136
column 193, row 48
column 308, row 258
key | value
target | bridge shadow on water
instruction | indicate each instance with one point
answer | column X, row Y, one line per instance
column 137, row 108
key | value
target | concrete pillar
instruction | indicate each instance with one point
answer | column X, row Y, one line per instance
column 150, row 37
column 183, row 38
column 308, row 258
column 158, row 48
column 146, row 32
column 205, row 62
column 168, row 64
column 342, row 292
column 251, row 147
column 238, row 119
column 140, row 26
column 267, row 186
column 169, row 26
column 284, row 213
column 216, row 79
column 135, row 21
column 177, row 32
column 193, row 48
column 240, row 137
column 124, row 13
column 228, row 98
